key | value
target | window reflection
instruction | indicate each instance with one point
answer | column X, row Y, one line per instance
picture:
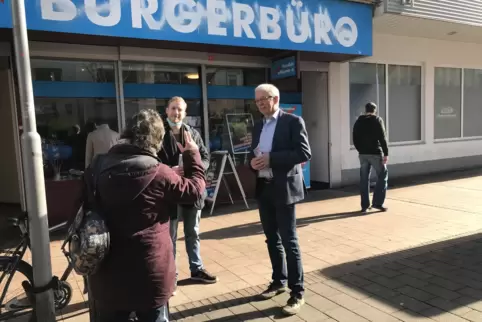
column 194, row 109
column 64, row 123
column 72, row 71
column 218, row 131
column 235, row 76
column 150, row 73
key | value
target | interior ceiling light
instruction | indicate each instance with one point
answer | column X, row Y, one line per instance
column 192, row 76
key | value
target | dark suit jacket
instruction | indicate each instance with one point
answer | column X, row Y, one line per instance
column 290, row 149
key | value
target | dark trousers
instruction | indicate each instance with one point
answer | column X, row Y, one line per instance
column 367, row 162
column 279, row 225
column 97, row 314
column 159, row 314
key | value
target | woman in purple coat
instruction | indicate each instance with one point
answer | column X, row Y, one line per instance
column 138, row 274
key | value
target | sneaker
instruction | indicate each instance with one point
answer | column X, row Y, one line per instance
column 293, row 306
column 364, row 210
column 381, row 208
column 272, row 291
column 204, row 277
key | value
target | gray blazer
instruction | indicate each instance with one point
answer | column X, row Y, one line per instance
column 290, row 149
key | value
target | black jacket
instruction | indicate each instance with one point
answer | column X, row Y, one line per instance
column 169, row 154
column 369, row 135
column 290, row 149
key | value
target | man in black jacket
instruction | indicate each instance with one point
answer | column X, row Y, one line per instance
column 370, row 140
column 190, row 214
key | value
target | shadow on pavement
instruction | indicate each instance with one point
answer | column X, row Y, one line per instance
column 214, row 311
column 428, row 280
column 256, row 229
column 75, row 308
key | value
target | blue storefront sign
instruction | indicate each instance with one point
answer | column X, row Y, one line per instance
column 296, row 109
column 336, row 26
column 284, row 68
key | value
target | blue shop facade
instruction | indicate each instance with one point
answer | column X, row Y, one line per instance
column 105, row 60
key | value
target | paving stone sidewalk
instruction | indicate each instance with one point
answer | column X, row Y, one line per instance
column 420, row 261
column 435, row 282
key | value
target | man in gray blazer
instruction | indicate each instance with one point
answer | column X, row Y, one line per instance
column 280, row 144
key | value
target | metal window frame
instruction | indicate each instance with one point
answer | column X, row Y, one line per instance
column 122, row 54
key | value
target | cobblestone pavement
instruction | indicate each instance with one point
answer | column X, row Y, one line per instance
column 420, row 261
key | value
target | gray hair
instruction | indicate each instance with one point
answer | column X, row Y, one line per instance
column 145, row 130
column 268, row 88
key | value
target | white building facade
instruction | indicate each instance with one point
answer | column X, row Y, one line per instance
column 425, row 75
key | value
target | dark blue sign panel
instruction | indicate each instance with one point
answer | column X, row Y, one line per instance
column 337, row 26
column 284, row 68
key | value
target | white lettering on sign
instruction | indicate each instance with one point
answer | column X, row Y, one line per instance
column 216, row 10
column 269, row 23
column 183, row 15
column 294, row 21
column 243, row 17
column 58, row 10
column 143, row 10
column 303, row 24
column 286, row 68
column 111, row 8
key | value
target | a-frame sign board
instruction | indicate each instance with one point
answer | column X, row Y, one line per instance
column 216, row 173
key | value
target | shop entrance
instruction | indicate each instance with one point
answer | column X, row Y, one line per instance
column 315, row 113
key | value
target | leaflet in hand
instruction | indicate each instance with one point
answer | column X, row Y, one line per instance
column 264, row 173
column 180, row 161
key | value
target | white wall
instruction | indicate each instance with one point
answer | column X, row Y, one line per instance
column 428, row 54
column 315, row 114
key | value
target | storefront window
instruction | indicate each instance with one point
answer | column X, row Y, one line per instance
column 70, row 97
column 404, row 103
column 457, row 109
column 402, row 115
column 222, row 76
column 150, row 73
column 194, row 110
column 367, row 84
column 150, row 86
column 64, row 123
column 447, row 107
column 72, row 71
column 231, row 91
column 472, row 106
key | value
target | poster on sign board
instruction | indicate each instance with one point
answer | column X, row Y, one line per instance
column 240, row 129
column 296, row 109
column 213, row 175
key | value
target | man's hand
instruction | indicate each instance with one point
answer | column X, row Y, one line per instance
column 385, row 159
column 179, row 170
column 261, row 162
column 189, row 143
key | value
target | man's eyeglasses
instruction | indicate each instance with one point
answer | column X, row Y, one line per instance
column 263, row 99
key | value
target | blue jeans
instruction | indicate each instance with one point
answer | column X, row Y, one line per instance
column 191, row 218
column 160, row 314
column 279, row 226
column 367, row 161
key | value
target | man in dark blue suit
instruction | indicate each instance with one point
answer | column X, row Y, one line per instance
column 280, row 144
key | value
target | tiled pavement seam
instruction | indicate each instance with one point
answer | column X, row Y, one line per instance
column 403, row 288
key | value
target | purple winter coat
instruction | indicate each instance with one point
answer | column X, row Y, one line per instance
column 139, row 270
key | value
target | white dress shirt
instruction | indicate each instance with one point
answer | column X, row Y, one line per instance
column 266, row 141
